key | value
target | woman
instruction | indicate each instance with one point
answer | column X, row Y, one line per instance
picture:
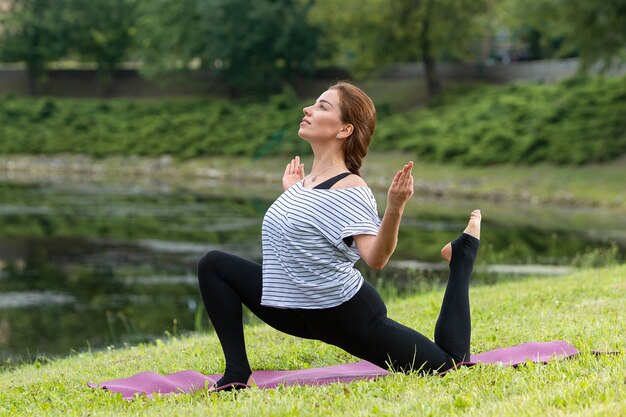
column 312, row 236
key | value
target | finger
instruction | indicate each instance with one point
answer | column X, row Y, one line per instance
column 403, row 176
column 396, row 178
column 408, row 167
column 405, row 184
column 287, row 168
column 301, row 171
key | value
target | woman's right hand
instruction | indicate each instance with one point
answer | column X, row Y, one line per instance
column 294, row 172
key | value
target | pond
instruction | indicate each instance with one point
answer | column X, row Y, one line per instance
column 89, row 264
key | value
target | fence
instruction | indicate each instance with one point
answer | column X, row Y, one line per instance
column 129, row 83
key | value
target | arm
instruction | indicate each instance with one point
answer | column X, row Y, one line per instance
column 294, row 172
column 376, row 250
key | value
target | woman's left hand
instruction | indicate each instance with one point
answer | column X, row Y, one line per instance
column 376, row 250
column 401, row 188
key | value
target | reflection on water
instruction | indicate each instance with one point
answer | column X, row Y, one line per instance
column 92, row 265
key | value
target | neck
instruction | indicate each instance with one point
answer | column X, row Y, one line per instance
column 324, row 158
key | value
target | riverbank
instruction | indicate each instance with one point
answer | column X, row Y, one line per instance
column 583, row 308
column 576, row 186
column 572, row 122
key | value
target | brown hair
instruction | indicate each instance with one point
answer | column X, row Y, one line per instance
column 358, row 110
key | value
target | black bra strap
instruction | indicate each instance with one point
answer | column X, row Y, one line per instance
column 329, row 183
column 332, row 181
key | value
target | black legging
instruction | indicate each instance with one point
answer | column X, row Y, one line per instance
column 360, row 326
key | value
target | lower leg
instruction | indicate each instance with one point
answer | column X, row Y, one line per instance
column 224, row 307
column 453, row 328
column 226, row 282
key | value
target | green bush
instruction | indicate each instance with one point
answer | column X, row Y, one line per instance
column 184, row 128
column 576, row 121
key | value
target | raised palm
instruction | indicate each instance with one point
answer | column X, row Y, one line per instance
column 294, row 172
column 401, row 188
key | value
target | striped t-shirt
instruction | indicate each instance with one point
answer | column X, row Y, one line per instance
column 306, row 263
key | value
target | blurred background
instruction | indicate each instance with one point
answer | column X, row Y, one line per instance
column 135, row 135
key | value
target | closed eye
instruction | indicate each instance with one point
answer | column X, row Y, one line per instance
column 324, row 104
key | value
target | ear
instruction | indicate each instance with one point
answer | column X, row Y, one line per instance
column 345, row 131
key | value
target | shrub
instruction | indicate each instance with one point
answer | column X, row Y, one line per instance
column 573, row 122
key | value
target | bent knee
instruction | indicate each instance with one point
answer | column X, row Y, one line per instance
column 209, row 261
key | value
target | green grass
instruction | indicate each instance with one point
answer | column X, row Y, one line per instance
column 585, row 309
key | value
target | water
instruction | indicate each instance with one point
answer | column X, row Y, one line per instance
column 87, row 264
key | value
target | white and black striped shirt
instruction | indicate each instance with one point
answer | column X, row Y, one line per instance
column 306, row 263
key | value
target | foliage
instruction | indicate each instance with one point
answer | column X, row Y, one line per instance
column 32, row 32
column 101, row 31
column 260, row 45
column 282, row 47
column 186, row 128
column 38, row 32
column 573, row 122
column 372, row 33
column 584, row 309
column 576, row 121
column 168, row 36
column 369, row 34
column 253, row 45
column 595, row 29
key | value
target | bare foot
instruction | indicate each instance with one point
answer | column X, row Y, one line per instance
column 446, row 252
column 473, row 226
column 472, row 229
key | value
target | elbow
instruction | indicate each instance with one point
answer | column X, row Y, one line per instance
column 377, row 264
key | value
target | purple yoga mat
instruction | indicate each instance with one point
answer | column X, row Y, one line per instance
column 540, row 352
column 148, row 383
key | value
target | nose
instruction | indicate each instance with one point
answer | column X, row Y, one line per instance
column 307, row 110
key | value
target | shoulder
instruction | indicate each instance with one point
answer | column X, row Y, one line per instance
column 352, row 180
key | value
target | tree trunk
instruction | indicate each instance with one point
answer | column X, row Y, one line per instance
column 105, row 75
column 36, row 76
column 433, row 85
column 33, row 88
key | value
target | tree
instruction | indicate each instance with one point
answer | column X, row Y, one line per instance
column 101, row 31
column 37, row 32
column 33, row 32
column 369, row 34
column 169, row 36
column 595, row 29
column 253, row 45
column 258, row 44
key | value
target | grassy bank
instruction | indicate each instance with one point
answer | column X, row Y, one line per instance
column 598, row 185
column 584, row 308
column 577, row 121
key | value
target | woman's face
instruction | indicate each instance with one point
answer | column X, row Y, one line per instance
column 322, row 120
